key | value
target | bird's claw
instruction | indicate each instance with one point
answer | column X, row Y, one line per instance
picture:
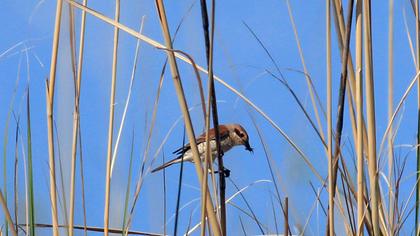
column 225, row 172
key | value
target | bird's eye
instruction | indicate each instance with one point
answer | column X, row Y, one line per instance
column 239, row 133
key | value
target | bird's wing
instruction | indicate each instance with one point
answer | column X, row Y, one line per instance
column 202, row 138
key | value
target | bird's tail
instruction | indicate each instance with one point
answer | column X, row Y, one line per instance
column 169, row 163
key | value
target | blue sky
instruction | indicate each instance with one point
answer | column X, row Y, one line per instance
column 239, row 60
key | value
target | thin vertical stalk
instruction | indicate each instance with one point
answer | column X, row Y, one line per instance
column 178, row 198
column 340, row 30
column 15, row 178
column 329, row 121
column 359, row 120
column 50, row 109
column 390, row 112
column 370, row 109
column 76, row 117
column 207, row 162
column 128, row 188
column 111, row 121
column 187, row 119
column 286, row 216
column 417, row 228
column 30, row 169
column 82, row 182
column 209, row 39
column 128, row 98
column 341, row 95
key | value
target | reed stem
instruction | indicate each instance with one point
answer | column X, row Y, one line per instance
column 111, row 120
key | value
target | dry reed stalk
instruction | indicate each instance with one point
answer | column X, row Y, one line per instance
column 63, row 200
column 50, row 88
column 207, row 160
column 15, row 174
column 72, row 42
column 30, row 206
column 82, row 182
column 390, row 111
column 341, row 97
column 7, row 214
column 111, row 120
column 417, row 206
column 76, row 117
column 329, row 121
column 286, row 216
column 341, row 29
column 187, row 119
column 370, row 109
column 359, row 108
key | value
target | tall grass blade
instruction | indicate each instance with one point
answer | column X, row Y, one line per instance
column 359, row 108
column 82, row 181
column 178, row 197
column 127, row 101
column 331, row 187
column 30, row 169
column 127, row 191
column 286, row 216
column 76, row 114
column 63, row 200
column 111, row 120
column 50, row 90
column 15, row 180
column 391, row 203
column 6, row 131
column 370, row 108
column 417, row 214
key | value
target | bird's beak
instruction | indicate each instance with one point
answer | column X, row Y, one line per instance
column 248, row 147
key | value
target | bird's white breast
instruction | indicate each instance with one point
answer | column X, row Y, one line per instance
column 226, row 145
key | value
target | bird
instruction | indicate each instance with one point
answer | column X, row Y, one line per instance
column 231, row 135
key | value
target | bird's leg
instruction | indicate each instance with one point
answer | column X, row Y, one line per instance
column 226, row 172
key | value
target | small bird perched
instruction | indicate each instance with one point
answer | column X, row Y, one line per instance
column 230, row 135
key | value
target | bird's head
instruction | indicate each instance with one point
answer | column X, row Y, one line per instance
column 239, row 135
